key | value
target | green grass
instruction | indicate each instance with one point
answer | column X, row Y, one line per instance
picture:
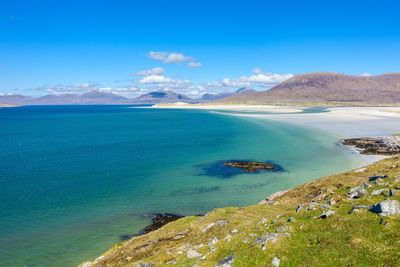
column 344, row 239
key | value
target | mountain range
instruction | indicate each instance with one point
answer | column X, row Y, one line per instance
column 95, row 98
column 308, row 89
column 105, row 98
column 327, row 88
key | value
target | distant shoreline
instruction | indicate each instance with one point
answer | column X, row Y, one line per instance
column 345, row 122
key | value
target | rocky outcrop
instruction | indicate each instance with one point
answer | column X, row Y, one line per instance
column 250, row 166
column 159, row 220
column 351, row 209
column 389, row 145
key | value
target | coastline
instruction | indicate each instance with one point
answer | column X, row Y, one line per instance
column 344, row 122
column 8, row 106
column 361, row 121
column 291, row 217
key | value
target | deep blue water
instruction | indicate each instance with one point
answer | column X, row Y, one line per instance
column 75, row 179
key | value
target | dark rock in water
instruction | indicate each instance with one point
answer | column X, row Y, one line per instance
column 389, row 145
column 249, row 166
column 159, row 220
column 229, row 168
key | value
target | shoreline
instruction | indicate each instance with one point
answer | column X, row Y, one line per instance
column 344, row 122
column 377, row 115
column 178, row 239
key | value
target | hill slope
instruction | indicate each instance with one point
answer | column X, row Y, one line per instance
column 322, row 223
column 328, row 88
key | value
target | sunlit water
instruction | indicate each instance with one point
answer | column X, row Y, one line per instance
column 74, row 180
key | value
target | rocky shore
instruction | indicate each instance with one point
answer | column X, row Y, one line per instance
column 354, row 215
column 159, row 220
column 387, row 145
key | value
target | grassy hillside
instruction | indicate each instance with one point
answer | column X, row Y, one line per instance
column 328, row 89
column 273, row 231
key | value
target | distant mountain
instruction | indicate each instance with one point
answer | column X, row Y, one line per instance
column 95, row 98
column 15, row 99
column 163, row 96
column 213, row 97
column 89, row 98
column 328, row 88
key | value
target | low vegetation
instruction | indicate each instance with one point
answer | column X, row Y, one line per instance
column 334, row 221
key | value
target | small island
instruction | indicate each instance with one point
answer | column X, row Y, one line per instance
column 249, row 166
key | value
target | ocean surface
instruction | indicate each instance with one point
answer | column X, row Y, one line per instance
column 74, row 180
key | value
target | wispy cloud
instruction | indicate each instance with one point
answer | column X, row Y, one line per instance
column 153, row 71
column 258, row 78
column 174, row 58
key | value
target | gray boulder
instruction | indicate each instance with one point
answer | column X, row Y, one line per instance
column 357, row 192
column 378, row 192
column 226, row 262
column 387, row 207
column 327, row 214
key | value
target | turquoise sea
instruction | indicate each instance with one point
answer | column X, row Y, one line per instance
column 74, row 180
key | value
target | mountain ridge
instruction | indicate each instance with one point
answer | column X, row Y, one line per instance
column 328, row 88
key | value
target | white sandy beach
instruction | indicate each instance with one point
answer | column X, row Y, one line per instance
column 345, row 122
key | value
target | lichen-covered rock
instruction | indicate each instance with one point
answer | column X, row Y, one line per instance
column 378, row 192
column 357, row 208
column 327, row 214
column 387, row 207
column 191, row 254
column 357, row 192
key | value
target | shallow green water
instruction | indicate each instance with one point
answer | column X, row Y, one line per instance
column 75, row 180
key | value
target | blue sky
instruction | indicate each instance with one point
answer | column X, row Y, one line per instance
column 75, row 46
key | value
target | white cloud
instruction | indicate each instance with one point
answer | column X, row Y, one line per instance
column 366, row 74
column 6, row 94
column 194, row 64
column 68, row 88
column 267, row 78
column 153, row 71
column 174, row 58
column 127, row 91
column 259, row 78
column 155, row 79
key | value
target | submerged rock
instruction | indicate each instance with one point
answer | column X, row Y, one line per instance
column 387, row 207
column 249, row 166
